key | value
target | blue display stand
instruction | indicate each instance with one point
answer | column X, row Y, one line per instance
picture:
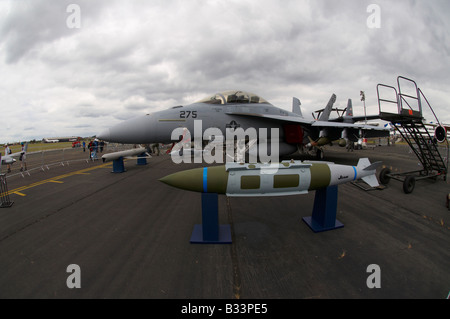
column 324, row 212
column 210, row 232
column 142, row 159
column 118, row 166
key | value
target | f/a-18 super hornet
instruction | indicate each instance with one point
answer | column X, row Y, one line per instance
column 349, row 134
column 239, row 111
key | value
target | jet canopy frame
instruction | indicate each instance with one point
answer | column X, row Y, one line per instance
column 234, row 97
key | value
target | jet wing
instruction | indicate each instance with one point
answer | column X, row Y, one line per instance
column 309, row 123
column 356, row 118
column 283, row 118
column 348, row 125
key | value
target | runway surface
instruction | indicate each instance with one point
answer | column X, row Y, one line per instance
column 129, row 234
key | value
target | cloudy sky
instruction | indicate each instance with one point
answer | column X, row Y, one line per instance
column 76, row 70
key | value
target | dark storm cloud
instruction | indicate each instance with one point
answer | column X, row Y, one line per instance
column 29, row 24
column 32, row 23
column 131, row 57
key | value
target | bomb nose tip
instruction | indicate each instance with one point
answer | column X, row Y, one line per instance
column 164, row 180
column 175, row 180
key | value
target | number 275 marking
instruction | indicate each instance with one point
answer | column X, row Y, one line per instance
column 187, row 114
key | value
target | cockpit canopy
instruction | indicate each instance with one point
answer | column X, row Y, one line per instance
column 232, row 97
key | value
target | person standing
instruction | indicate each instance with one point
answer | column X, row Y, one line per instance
column 94, row 149
column 7, row 152
column 155, row 147
column 90, row 149
column 22, row 159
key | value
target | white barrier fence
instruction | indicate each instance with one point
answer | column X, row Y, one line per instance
column 46, row 159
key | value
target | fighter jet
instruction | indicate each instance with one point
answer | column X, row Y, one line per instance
column 348, row 134
column 230, row 111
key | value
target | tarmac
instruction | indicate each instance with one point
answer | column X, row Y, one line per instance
column 130, row 236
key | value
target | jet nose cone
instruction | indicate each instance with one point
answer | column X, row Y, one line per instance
column 138, row 130
column 105, row 135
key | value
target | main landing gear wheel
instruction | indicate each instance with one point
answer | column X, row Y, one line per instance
column 408, row 184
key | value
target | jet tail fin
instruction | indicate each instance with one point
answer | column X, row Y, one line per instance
column 348, row 117
column 349, row 112
column 327, row 110
column 296, row 106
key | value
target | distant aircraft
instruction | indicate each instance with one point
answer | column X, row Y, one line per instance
column 349, row 117
column 48, row 140
column 348, row 133
column 231, row 110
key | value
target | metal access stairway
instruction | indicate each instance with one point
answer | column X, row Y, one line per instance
column 407, row 118
column 424, row 146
